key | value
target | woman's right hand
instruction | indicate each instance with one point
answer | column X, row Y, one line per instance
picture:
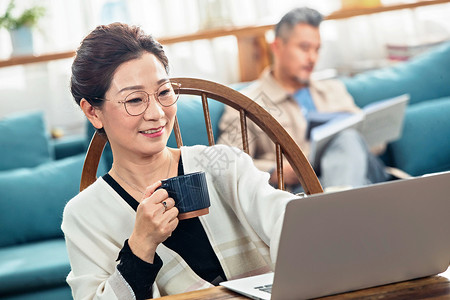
column 154, row 223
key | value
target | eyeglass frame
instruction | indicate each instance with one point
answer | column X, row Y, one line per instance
column 148, row 97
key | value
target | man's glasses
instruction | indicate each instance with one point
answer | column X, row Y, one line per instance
column 137, row 102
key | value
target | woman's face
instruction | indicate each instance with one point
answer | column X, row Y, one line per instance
column 145, row 134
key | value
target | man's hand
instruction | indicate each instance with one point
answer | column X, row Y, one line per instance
column 378, row 150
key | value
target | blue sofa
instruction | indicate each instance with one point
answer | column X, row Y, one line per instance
column 39, row 175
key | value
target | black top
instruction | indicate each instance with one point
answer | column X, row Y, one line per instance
column 189, row 240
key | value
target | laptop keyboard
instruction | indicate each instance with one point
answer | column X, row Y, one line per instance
column 265, row 288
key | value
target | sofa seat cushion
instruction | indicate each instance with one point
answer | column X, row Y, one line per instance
column 33, row 266
column 425, row 142
column 24, row 141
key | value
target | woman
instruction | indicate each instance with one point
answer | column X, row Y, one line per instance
column 122, row 233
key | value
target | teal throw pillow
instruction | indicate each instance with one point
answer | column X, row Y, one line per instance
column 24, row 142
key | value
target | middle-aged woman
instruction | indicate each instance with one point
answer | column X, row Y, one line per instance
column 123, row 236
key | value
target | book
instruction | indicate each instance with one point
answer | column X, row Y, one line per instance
column 379, row 123
column 406, row 51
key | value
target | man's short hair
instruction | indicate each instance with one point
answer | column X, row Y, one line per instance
column 301, row 15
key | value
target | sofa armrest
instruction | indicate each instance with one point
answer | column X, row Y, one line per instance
column 69, row 146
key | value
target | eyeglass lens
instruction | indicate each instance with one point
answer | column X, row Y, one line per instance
column 137, row 102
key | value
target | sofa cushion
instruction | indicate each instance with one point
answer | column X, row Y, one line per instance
column 32, row 200
column 32, row 266
column 424, row 77
column 24, row 141
column 192, row 123
column 425, row 143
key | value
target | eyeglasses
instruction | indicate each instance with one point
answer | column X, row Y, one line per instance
column 137, row 102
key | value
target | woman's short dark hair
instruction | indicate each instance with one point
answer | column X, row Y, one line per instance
column 301, row 15
column 102, row 52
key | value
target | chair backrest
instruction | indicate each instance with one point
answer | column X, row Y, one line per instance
column 283, row 142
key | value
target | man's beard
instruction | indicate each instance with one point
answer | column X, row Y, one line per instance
column 304, row 82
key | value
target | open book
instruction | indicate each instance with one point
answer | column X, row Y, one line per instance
column 379, row 122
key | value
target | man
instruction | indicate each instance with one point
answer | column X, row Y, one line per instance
column 288, row 93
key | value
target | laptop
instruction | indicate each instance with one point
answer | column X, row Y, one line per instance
column 354, row 239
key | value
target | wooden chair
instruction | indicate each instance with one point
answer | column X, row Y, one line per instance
column 247, row 108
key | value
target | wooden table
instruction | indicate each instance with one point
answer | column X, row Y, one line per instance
column 433, row 287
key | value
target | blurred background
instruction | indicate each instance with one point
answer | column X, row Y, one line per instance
column 350, row 44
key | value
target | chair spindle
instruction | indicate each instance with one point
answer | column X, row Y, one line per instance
column 243, row 120
column 209, row 130
column 279, row 158
column 176, row 130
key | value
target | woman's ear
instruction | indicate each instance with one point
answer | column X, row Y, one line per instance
column 91, row 113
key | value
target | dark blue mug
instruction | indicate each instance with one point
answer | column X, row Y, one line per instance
column 190, row 193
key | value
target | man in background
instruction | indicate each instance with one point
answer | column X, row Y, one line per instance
column 287, row 91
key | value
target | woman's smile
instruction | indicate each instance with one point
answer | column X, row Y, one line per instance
column 154, row 132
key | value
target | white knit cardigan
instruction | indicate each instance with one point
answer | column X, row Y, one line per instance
column 245, row 218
